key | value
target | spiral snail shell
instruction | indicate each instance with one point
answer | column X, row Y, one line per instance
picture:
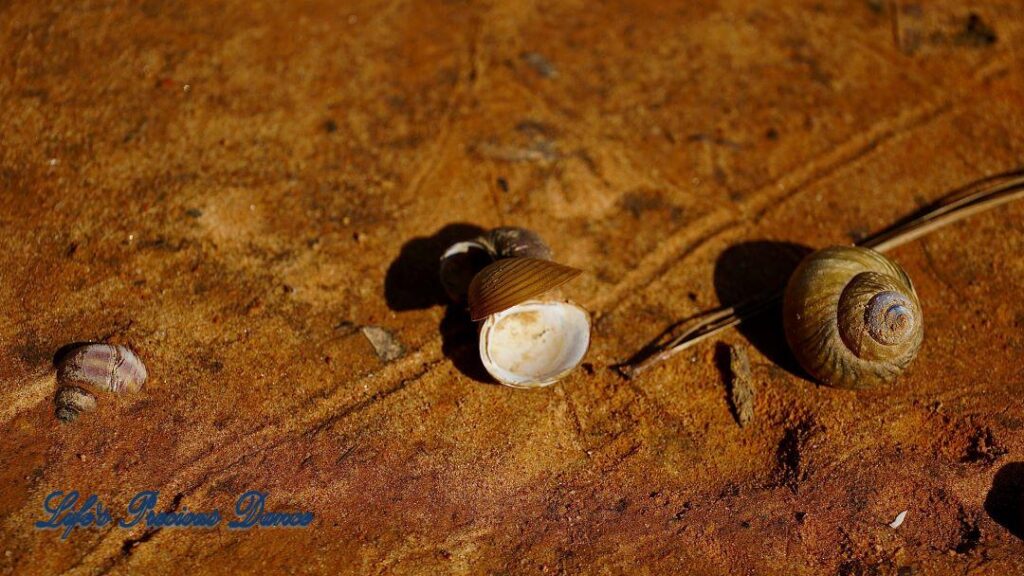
column 91, row 368
column 461, row 262
column 852, row 317
column 514, row 242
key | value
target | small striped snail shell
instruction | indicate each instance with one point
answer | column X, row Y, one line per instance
column 89, row 369
column 852, row 317
column 513, row 242
column 463, row 260
column 529, row 335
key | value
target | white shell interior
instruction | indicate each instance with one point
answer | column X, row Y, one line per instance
column 534, row 343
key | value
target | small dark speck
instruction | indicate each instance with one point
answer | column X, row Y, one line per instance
column 287, row 289
column 692, row 296
column 503, row 184
column 72, row 248
column 771, row 134
column 588, row 368
column 905, row 571
column 193, row 212
column 745, row 524
column 800, row 517
column 682, row 511
column 857, row 234
column 330, row 126
column 977, row 33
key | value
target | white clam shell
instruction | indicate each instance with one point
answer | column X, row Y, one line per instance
column 534, row 343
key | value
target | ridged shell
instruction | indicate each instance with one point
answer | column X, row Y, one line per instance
column 512, row 281
column 852, row 317
column 93, row 368
column 103, row 368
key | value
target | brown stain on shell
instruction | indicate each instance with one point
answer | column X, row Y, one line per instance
column 512, row 281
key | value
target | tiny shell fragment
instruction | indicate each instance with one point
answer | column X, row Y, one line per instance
column 899, row 520
column 741, row 387
column 384, row 343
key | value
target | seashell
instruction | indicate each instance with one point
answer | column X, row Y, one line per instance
column 512, row 281
column 459, row 264
column 534, row 343
column 513, row 242
column 93, row 368
column 852, row 317
column 524, row 342
column 898, row 521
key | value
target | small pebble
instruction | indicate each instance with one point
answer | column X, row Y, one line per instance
column 741, row 387
column 385, row 343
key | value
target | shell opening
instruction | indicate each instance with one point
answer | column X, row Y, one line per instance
column 459, row 264
column 534, row 343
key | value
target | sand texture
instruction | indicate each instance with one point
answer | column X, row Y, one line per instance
column 253, row 196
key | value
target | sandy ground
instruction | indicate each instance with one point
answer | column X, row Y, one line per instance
column 236, row 189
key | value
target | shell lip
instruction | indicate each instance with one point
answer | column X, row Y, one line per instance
column 512, row 281
column 460, row 263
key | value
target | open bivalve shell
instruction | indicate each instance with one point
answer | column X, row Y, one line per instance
column 534, row 343
column 529, row 337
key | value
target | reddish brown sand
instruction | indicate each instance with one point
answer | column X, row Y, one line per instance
column 235, row 189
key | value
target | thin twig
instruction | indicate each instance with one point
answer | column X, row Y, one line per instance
column 976, row 197
column 698, row 328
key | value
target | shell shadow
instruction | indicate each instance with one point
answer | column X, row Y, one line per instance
column 751, row 269
column 412, row 283
column 1005, row 500
column 460, row 343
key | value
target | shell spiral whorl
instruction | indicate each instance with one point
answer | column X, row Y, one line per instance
column 889, row 318
column 852, row 317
